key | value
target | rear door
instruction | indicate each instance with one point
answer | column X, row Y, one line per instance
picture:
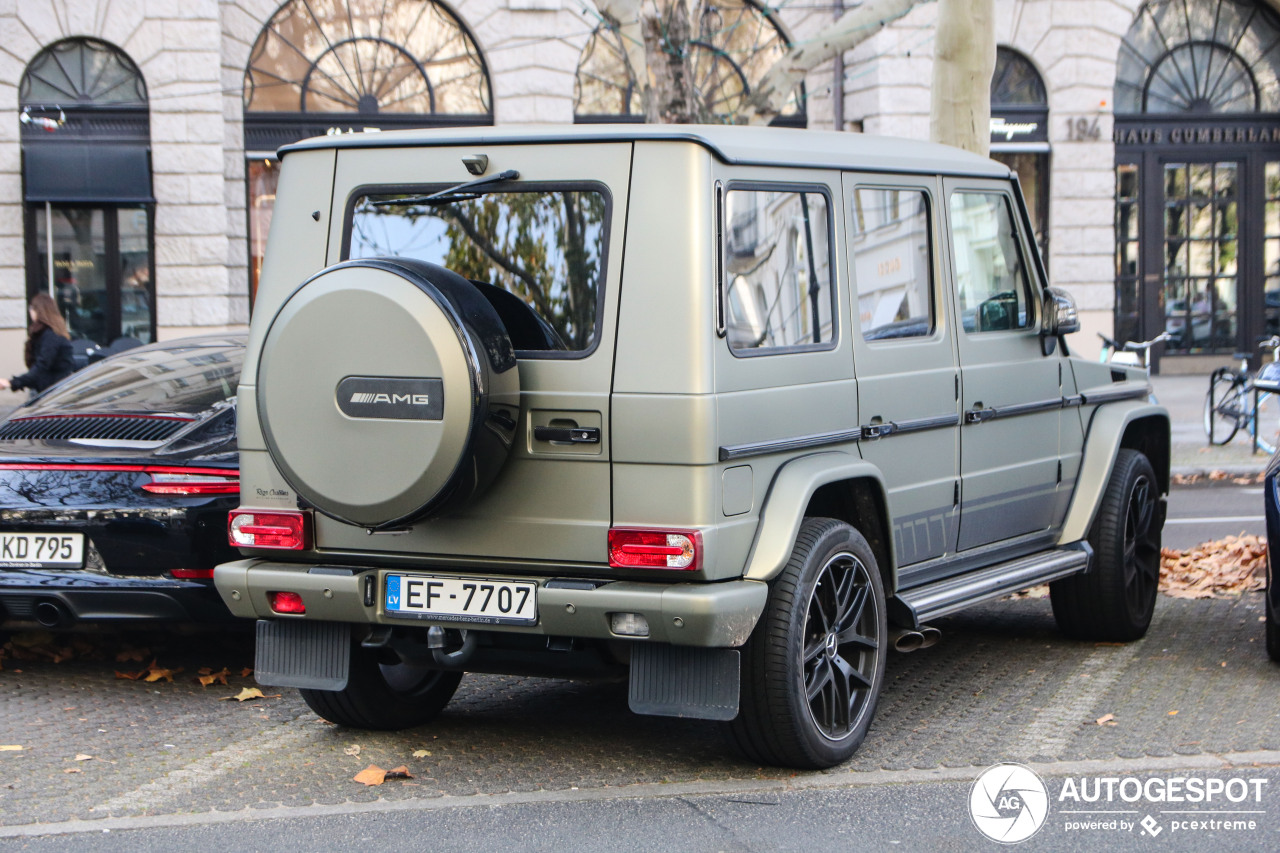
column 1011, row 392
column 905, row 355
column 553, row 238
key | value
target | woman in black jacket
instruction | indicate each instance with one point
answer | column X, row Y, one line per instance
column 48, row 349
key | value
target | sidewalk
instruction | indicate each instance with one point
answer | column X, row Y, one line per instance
column 1184, row 396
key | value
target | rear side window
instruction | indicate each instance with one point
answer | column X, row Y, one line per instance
column 546, row 247
column 893, row 264
column 777, row 279
column 991, row 279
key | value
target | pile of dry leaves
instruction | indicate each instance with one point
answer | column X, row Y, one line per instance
column 1218, row 569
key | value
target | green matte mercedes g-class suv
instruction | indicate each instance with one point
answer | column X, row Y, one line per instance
column 725, row 411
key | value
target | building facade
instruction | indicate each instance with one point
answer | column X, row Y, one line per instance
column 137, row 137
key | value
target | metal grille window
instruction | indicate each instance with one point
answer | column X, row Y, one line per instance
column 732, row 44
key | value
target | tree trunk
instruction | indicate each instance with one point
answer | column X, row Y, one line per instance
column 672, row 99
column 963, row 61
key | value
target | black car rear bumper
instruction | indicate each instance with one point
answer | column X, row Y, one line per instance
column 61, row 599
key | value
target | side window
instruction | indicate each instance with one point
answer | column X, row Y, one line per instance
column 777, row 265
column 990, row 277
column 893, row 263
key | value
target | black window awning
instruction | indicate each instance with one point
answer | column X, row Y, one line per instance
column 87, row 172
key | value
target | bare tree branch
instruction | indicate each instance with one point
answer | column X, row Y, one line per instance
column 770, row 94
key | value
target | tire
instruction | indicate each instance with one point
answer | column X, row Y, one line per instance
column 1224, row 406
column 384, row 697
column 1114, row 601
column 388, row 391
column 830, row 589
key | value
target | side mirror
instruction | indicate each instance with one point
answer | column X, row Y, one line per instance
column 1060, row 314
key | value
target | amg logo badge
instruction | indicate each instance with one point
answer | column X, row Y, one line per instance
column 391, row 397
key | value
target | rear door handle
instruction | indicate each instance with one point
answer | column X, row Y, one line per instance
column 572, row 435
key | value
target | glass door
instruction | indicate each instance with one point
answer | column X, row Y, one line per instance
column 96, row 262
column 1200, row 297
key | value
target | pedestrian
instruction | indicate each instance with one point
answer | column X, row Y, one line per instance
column 48, row 349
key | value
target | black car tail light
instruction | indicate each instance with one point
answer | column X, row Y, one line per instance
column 164, row 479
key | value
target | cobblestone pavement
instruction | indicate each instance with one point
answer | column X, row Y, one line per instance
column 1003, row 685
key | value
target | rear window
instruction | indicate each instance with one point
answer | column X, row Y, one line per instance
column 544, row 245
column 174, row 378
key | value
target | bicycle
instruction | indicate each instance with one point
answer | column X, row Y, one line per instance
column 1236, row 399
column 1134, row 354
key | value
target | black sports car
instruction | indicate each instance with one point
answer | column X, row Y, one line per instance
column 115, row 486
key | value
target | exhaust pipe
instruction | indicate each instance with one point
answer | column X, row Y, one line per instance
column 912, row 639
column 51, row 614
column 906, row 639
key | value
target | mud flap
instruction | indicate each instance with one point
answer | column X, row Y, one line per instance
column 684, row 681
column 314, row 655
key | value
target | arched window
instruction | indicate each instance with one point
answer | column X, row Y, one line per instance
column 87, row 185
column 344, row 65
column 734, row 43
column 1020, row 134
column 392, row 63
column 1200, row 57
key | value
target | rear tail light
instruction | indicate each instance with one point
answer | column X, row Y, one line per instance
column 286, row 602
column 192, row 574
column 164, row 479
column 655, row 549
column 287, row 531
column 192, row 481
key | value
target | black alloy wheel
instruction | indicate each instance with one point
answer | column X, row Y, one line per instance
column 1115, row 600
column 813, row 667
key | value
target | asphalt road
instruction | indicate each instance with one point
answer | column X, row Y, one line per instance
column 1205, row 513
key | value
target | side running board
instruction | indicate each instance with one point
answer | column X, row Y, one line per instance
column 916, row 606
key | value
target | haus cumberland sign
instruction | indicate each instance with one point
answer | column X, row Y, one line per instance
column 1197, row 135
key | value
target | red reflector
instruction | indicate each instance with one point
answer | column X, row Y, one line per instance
column 288, row 531
column 286, row 602
column 655, row 549
column 191, row 574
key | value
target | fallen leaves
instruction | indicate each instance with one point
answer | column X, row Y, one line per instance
column 207, row 676
column 153, row 672
column 352, row 750
column 10, row 748
column 248, row 693
column 1106, row 720
column 375, row 775
column 1217, row 476
column 1220, row 569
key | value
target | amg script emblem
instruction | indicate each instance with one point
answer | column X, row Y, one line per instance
column 391, row 397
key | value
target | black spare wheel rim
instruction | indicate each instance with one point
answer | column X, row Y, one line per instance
column 387, row 391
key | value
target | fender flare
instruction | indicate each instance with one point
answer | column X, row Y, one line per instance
column 1102, row 444
column 789, row 494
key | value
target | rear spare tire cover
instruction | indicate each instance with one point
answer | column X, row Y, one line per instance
column 387, row 391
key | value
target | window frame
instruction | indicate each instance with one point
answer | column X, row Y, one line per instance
column 722, row 267
column 364, row 190
column 1032, row 282
column 931, row 261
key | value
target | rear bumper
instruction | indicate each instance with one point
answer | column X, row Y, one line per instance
column 712, row 615
column 60, row 599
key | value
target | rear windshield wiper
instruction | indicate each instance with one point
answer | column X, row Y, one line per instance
column 462, row 192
